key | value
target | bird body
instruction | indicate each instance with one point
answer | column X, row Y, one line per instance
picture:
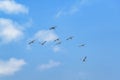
column 84, row 59
column 43, row 42
column 69, row 38
column 31, row 42
column 82, row 45
column 52, row 28
column 56, row 39
column 58, row 43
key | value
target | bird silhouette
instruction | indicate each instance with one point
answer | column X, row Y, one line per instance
column 43, row 43
column 52, row 28
column 58, row 43
column 31, row 42
column 70, row 38
column 84, row 59
column 56, row 40
column 82, row 45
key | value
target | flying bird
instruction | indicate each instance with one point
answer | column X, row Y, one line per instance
column 56, row 40
column 84, row 59
column 82, row 45
column 52, row 28
column 31, row 42
column 43, row 42
column 69, row 38
column 58, row 43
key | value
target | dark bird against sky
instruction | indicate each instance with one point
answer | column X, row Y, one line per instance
column 43, row 42
column 84, row 59
column 69, row 38
column 31, row 42
column 58, row 43
column 82, row 45
column 56, row 40
column 52, row 28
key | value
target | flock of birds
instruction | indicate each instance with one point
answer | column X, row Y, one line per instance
column 59, row 42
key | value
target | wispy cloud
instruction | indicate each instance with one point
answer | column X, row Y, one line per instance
column 71, row 9
column 49, row 65
column 9, row 30
column 11, row 66
column 12, row 7
column 83, row 75
column 46, row 35
column 56, row 49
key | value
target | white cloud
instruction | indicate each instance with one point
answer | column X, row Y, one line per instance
column 46, row 35
column 56, row 48
column 59, row 13
column 9, row 30
column 11, row 7
column 72, row 9
column 50, row 65
column 11, row 66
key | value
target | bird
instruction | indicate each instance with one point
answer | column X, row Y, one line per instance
column 43, row 42
column 58, row 43
column 52, row 28
column 69, row 38
column 84, row 59
column 56, row 40
column 82, row 45
column 31, row 42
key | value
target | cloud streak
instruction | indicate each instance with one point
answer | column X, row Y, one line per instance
column 72, row 9
column 11, row 66
column 56, row 49
column 51, row 64
column 12, row 7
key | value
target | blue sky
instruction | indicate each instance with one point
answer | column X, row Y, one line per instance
column 91, row 22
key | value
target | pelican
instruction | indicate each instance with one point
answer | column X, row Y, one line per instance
column 31, row 42
column 43, row 42
column 58, row 43
column 82, row 45
column 56, row 40
column 84, row 59
column 52, row 28
column 69, row 38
